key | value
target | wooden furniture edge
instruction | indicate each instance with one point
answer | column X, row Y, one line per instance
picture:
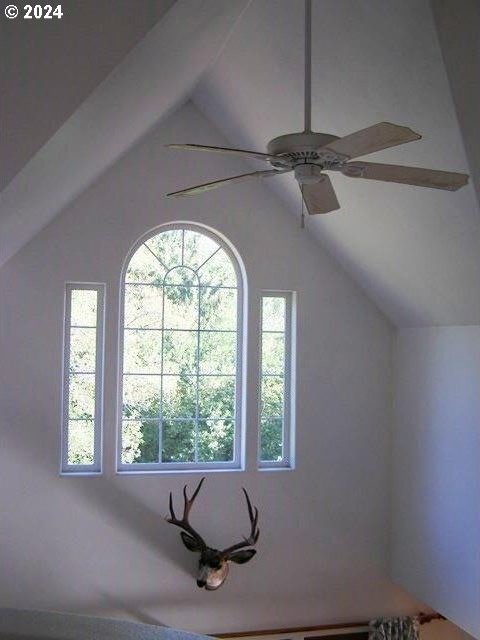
column 423, row 618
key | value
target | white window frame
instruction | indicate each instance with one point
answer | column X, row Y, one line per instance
column 239, row 444
column 96, row 466
column 289, row 403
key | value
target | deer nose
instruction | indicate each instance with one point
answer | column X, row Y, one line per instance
column 201, row 583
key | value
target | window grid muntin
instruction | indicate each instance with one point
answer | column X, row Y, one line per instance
column 97, row 418
column 237, row 376
column 288, row 386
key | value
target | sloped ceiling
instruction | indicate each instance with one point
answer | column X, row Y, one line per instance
column 153, row 80
column 415, row 251
column 49, row 67
column 458, row 31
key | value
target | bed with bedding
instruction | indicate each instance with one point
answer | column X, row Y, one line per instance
column 18, row 624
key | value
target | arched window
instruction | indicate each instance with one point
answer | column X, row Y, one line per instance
column 181, row 348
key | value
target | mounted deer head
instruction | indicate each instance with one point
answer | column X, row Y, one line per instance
column 213, row 564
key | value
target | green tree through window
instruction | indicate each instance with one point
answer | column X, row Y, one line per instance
column 180, row 347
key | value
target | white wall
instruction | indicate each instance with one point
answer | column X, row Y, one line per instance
column 436, row 507
column 100, row 545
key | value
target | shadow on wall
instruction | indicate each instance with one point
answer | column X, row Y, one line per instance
column 26, row 439
column 132, row 515
column 105, row 498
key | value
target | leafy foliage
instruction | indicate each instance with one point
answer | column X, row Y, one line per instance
column 179, row 358
column 181, row 320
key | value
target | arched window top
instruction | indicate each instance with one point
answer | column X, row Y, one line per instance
column 182, row 256
column 181, row 353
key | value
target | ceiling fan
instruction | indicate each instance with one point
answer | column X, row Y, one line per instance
column 309, row 154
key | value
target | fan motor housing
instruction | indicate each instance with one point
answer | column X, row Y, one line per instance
column 303, row 147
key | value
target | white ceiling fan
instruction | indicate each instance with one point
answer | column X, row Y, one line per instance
column 309, row 154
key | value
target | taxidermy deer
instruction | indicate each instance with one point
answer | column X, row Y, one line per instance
column 213, row 564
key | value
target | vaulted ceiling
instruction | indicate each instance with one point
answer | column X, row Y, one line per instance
column 414, row 251
column 49, row 67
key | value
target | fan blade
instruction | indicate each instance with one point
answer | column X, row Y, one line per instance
column 319, row 197
column 406, row 175
column 375, row 138
column 200, row 188
column 237, row 152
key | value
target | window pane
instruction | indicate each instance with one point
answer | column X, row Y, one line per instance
column 273, row 313
column 81, row 396
column 145, row 267
column 143, row 306
column 180, row 352
column 273, row 353
column 181, row 307
column 81, row 441
column 179, row 397
column 141, row 396
column 216, row 396
column 218, row 271
column 198, row 249
column 271, row 440
column 142, row 351
column 183, row 338
column 83, row 312
column 168, row 247
column 182, row 276
column 218, row 353
column 275, row 391
column 83, row 346
column 215, row 440
column 82, row 378
column 272, row 397
column 140, row 441
column 178, row 441
column 218, row 309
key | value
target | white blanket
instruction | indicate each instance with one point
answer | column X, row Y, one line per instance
column 18, row 624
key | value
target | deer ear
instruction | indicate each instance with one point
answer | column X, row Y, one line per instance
column 240, row 557
column 190, row 542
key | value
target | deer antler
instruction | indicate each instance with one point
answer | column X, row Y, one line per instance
column 184, row 523
column 254, row 530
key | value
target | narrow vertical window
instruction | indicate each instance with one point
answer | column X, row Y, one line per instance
column 82, row 378
column 276, row 380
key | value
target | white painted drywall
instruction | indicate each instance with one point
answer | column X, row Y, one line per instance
column 436, row 507
column 151, row 82
column 99, row 544
column 458, row 27
column 87, row 44
column 415, row 251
